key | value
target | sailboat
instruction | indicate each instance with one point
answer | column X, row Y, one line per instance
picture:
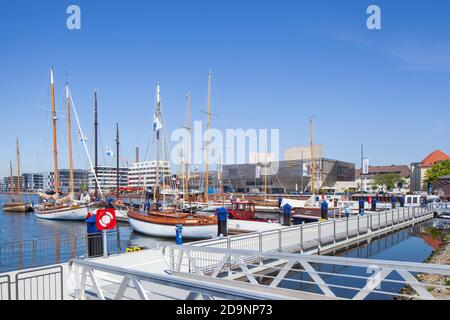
column 16, row 206
column 66, row 208
column 159, row 222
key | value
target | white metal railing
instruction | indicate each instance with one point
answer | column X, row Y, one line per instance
column 316, row 236
column 330, row 277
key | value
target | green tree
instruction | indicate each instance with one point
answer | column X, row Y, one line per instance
column 387, row 180
column 438, row 170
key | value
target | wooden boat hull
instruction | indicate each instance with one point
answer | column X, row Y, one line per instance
column 19, row 208
column 167, row 230
column 75, row 213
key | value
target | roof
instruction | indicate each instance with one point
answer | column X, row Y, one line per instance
column 402, row 170
column 434, row 157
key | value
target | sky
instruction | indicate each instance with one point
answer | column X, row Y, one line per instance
column 274, row 64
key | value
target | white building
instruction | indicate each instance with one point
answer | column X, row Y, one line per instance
column 143, row 174
column 107, row 178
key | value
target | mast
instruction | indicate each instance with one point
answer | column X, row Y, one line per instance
column 265, row 173
column 117, row 159
column 186, row 158
column 95, row 142
column 55, row 146
column 19, row 200
column 69, row 136
column 208, row 127
column 313, row 189
column 158, row 122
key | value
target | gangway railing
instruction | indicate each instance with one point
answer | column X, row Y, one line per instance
column 313, row 237
column 360, row 279
column 96, row 280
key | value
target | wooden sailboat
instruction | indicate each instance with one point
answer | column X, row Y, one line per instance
column 162, row 223
column 61, row 208
column 16, row 206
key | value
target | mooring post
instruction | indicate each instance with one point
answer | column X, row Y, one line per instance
column 105, row 244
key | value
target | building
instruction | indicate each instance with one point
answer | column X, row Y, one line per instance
column 299, row 153
column 442, row 186
column 33, row 182
column 261, row 157
column 367, row 179
column 143, row 174
column 287, row 176
column 107, row 178
column 80, row 179
column 419, row 169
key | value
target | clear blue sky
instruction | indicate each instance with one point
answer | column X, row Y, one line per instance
column 274, row 62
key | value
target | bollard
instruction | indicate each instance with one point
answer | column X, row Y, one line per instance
column 374, row 204
column 361, row 206
column 324, row 210
column 394, row 202
column 179, row 234
column 287, row 215
column 222, row 223
column 402, row 202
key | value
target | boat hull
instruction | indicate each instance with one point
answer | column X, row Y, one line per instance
column 21, row 208
column 168, row 230
column 72, row 213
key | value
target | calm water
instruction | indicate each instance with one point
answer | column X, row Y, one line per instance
column 25, row 226
column 404, row 245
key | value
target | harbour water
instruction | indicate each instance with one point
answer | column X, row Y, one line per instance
column 19, row 230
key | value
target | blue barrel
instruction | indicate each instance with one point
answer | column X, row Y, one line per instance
column 222, row 225
column 361, row 206
column 94, row 238
column 179, row 234
column 287, row 213
column 324, row 210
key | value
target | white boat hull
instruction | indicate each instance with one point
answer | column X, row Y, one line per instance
column 168, row 231
column 75, row 214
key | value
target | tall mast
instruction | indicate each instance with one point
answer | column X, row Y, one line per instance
column 19, row 200
column 186, row 158
column 69, row 137
column 313, row 189
column 158, row 122
column 55, row 147
column 208, row 127
column 95, row 142
column 117, row 159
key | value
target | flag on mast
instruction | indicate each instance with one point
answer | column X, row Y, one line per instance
column 365, row 166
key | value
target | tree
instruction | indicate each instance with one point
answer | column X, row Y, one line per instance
column 387, row 180
column 436, row 171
